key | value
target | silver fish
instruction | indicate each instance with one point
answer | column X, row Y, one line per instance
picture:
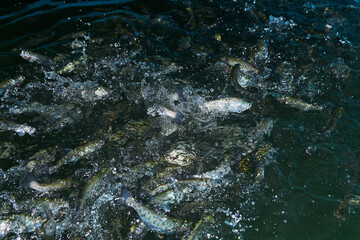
column 298, row 103
column 218, row 173
column 226, row 105
column 164, row 111
column 20, row 129
column 35, row 57
column 155, row 221
column 182, row 154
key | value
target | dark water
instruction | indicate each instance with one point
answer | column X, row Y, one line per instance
column 131, row 57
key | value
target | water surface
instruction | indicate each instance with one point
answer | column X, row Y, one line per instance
column 131, row 57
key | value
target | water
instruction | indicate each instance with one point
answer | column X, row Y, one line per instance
column 135, row 76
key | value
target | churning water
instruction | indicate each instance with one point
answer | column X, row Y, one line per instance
column 239, row 119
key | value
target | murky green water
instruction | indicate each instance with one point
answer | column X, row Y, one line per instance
column 142, row 96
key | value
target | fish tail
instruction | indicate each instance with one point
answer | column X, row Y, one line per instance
column 180, row 93
column 179, row 116
column 125, row 194
column 27, row 180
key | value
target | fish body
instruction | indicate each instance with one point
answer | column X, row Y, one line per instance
column 78, row 153
column 20, row 129
column 298, row 103
column 155, row 221
column 165, row 199
column 42, row 157
column 218, row 173
column 263, row 155
column 168, row 127
column 164, row 111
column 185, row 186
column 33, row 107
column 257, row 134
column 182, row 154
column 244, row 66
column 92, row 187
column 19, row 224
column 238, row 77
column 227, row 105
column 263, row 128
column 30, row 181
column 53, row 111
column 244, row 165
column 72, row 65
column 6, row 149
column 12, row 82
column 35, row 57
column 43, row 206
column 336, row 114
column 350, row 200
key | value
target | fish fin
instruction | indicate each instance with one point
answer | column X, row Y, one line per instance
column 179, row 116
column 180, row 93
column 125, row 194
column 27, row 180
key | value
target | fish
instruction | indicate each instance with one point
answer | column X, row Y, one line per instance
column 20, row 129
column 92, row 186
column 38, row 206
column 30, row 182
column 82, row 151
column 168, row 127
column 68, row 68
column 257, row 134
column 157, row 222
column 349, row 200
column 53, row 111
column 199, row 185
column 165, row 199
column 11, row 82
column 335, row 115
column 33, row 107
column 6, row 149
column 218, row 173
column 298, row 103
column 201, row 228
column 164, row 111
column 192, row 189
column 35, row 57
column 238, row 77
column 19, row 224
column 263, row 156
column 244, row 66
column 182, row 154
column 226, row 105
column 244, row 165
